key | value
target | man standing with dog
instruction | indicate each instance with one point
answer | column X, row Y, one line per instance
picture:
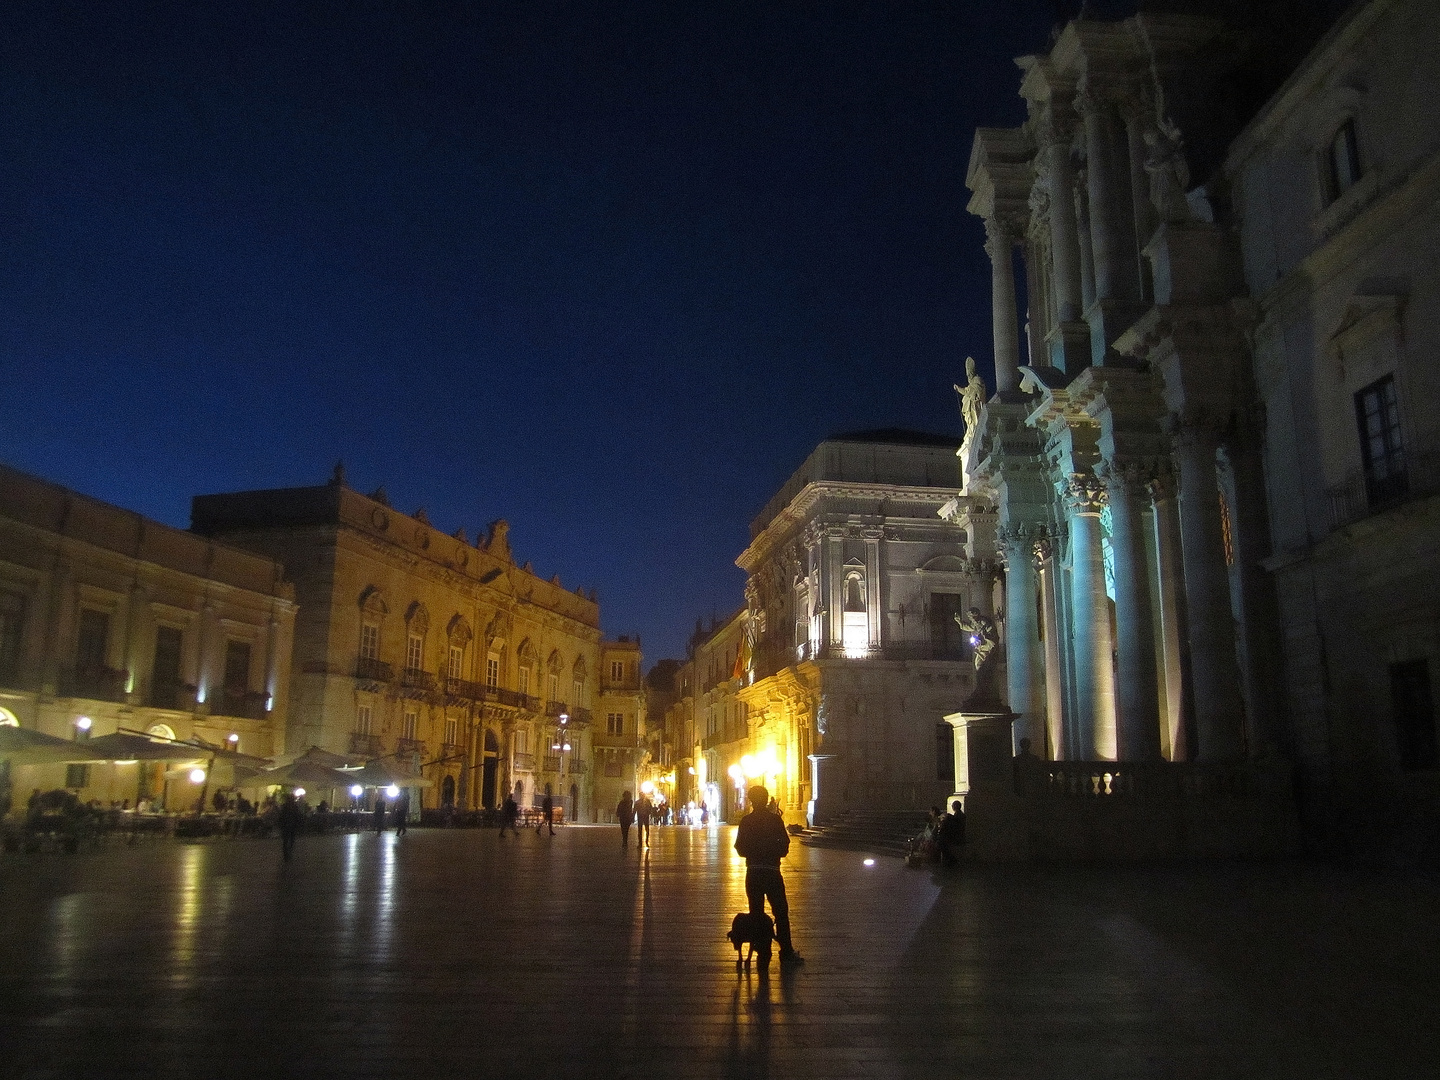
column 762, row 842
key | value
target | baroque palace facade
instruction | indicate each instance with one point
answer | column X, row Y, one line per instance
column 110, row 621
column 438, row 653
column 1208, row 454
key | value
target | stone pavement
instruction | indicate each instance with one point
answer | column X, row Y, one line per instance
column 458, row 954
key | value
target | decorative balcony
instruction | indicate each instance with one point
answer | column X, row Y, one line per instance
column 451, row 750
column 581, row 715
column 578, row 767
column 373, row 670
column 552, row 763
column 248, row 704
column 1362, row 495
column 555, row 708
column 525, row 762
column 172, row 695
column 407, row 747
column 365, row 745
column 465, row 688
column 418, row 680
column 509, row 697
column 97, row 684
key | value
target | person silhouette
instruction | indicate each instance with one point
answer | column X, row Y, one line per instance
column 761, row 840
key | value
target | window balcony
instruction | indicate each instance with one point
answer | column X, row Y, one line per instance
column 172, row 695
column 1362, row 494
column 555, row 708
column 247, row 704
column 581, row 715
column 509, row 697
column 451, row 750
column 418, row 679
column 552, row 763
column 407, row 747
column 373, row 670
column 525, row 762
column 365, row 745
column 97, row 684
column 465, row 688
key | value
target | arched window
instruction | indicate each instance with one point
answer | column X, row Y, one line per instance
column 855, row 626
column 577, row 683
column 525, row 657
column 417, row 623
column 553, row 667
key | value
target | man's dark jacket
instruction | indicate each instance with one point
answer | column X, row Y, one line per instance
column 761, row 839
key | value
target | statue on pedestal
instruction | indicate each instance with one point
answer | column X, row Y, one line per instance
column 979, row 629
column 972, row 400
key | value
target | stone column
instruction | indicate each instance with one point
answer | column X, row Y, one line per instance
column 1081, row 199
column 1112, row 225
column 1211, row 622
column 1139, row 695
column 1000, row 244
column 1169, row 608
column 834, row 588
column 139, row 642
column 1050, row 619
column 874, row 601
column 1136, row 111
column 1059, row 179
column 1090, row 637
column 1022, row 638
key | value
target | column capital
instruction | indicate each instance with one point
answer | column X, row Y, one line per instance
column 1084, row 495
column 1001, row 236
column 1128, row 478
column 1162, row 486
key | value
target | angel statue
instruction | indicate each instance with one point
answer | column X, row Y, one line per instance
column 981, row 632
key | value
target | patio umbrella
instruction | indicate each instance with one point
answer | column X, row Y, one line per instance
column 125, row 747
column 301, row 774
column 381, row 774
column 25, row 746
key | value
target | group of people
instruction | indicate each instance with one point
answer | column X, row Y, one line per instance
column 943, row 838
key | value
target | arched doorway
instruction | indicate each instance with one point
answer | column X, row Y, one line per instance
column 573, row 814
column 490, row 771
column 447, row 792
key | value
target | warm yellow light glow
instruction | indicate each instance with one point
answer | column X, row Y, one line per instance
column 700, row 770
column 748, row 766
column 691, row 770
column 393, row 791
column 197, row 776
column 356, row 791
column 299, row 792
column 83, row 723
column 233, row 738
column 131, row 761
column 647, row 787
column 737, row 774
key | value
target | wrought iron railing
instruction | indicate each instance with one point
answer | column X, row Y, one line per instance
column 1359, row 495
column 525, row 762
column 465, row 688
column 406, row 747
column 509, row 697
column 97, row 684
column 366, row 745
column 172, row 695
column 248, row 704
column 555, row 708
column 368, row 667
column 417, row 679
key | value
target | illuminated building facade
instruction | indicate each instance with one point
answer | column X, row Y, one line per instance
column 620, row 724
column 426, row 649
column 851, row 654
column 707, row 721
column 110, row 621
column 1211, row 436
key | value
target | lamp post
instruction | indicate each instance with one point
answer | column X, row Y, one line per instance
column 562, row 745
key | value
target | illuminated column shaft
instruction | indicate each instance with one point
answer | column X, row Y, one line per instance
column 1054, row 691
column 1139, row 694
column 1214, row 672
column 1090, row 638
column 1003, row 317
column 1022, row 640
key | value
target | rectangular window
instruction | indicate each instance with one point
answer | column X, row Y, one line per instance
column 552, row 687
column 617, row 670
column 77, row 776
column 457, row 662
column 522, row 740
column 369, row 641
column 492, row 672
column 364, row 719
column 452, row 731
column 1414, row 711
column 1381, row 449
column 947, row 640
column 91, row 640
column 12, row 621
column 415, row 652
column 578, row 688
column 237, row 666
column 524, row 680
column 411, row 725
column 615, row 723
column 166, row 669
column 1343, row 160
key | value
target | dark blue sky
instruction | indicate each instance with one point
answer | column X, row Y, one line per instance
column 606, row 270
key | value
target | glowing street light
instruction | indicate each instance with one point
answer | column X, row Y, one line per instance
column 197, row 776
column 393, row 791
column 647, row 788
column 233, row 739
column 299, row 792
column 356, row 791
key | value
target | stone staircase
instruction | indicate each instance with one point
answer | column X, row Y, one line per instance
column 879, row 832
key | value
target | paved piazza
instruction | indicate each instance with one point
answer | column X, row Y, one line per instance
column 456, row 954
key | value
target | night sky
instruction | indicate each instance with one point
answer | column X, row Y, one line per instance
column 606, row 270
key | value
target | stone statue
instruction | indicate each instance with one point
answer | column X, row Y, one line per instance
column 1169, row 171
column 972, row 397
column 981, row 631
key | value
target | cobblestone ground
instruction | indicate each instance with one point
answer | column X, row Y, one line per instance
column 457, row 954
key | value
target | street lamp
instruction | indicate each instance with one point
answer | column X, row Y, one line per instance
column 197, row 776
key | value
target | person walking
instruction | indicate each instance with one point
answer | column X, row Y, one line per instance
column 547, row 809
column 509, row 814
column 761, row 840
column 402, row 812
column 380, row 807
column 643, row 810
column 290, row 818
column 625, row 814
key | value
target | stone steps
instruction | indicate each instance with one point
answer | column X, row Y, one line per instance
column 877, row 831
